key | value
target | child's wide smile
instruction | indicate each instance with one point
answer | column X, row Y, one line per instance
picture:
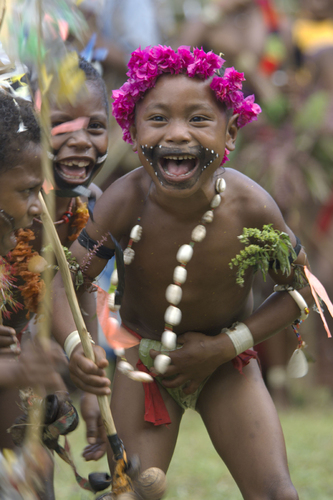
column 181, row 132
column 173, row 166
column 74, row 170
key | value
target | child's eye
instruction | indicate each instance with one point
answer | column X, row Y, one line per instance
column 96, row 125
column 199, row 119
column 157, row 118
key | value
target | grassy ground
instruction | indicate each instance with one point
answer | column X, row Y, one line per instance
column 196, row 471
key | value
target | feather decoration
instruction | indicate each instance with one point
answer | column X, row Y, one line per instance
column 318, row 290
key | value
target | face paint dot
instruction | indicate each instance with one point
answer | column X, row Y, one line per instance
column 160, row 146
column 212, row 151
column 151, row 147
column 206, row 149
column 146, row 145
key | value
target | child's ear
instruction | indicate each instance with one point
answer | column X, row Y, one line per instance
column 133, row 137
column 231, row 134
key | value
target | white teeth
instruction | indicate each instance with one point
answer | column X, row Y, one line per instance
column 76, row 163
column 78, row 177
column 179, row 158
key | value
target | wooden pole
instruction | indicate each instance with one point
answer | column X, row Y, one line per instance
column 76, row 312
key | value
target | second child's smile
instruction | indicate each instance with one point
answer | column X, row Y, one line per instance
column 74, row 170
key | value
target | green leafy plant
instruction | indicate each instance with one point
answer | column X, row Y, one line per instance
column 263, row 248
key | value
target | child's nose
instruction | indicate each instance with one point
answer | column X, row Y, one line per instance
column 79, row 139
column 35, row 207
column 178, row 132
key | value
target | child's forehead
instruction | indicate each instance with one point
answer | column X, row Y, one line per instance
column 169, row 87
column 89, row 99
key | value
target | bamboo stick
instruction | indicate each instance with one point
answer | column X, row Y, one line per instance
column 76, row 312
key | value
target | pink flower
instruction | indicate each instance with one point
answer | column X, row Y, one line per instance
column 146, row 65
column 205, row 64
column 166, row 59
column 234, row 78
column 185, row 55
column 248, row 111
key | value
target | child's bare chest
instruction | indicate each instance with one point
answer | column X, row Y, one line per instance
column 210, row 286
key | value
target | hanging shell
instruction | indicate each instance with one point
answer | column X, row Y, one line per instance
column 111, row 303
column 298, row 366
column 215, row 201
column 169, row 340
column 139, row 376
column 128, row 255
column 114, row 277
column 184, row 254
column 180, row 275
column 220, row 185
column 208, row 217
column 119, row 351
column 198, row 233
column 173, row 316
column 125, row 367
column 174, row 294
column 162, row 362
column 136, row 233
column 151, row 484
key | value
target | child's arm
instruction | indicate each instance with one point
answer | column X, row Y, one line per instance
column 86, row 375
column 8, row 341
column 33, row 367
column 201, row 355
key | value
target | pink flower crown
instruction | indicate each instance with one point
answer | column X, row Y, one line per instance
column 146, row 65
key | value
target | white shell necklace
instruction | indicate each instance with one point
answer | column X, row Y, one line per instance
column 174, row 292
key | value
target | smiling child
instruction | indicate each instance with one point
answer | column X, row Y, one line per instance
column 178, row 219
column 79, row 142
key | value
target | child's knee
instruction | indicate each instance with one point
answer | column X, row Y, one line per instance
column 282, row 491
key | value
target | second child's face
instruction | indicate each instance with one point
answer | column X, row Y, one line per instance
column 77, row 152
column 19, row 189
column 180, row 133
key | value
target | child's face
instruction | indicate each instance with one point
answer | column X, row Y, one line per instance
column 76, row 152
column 180, row 133
column 19, row 189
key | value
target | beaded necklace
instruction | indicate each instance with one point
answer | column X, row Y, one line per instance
column 65, row 218
column 174, row 292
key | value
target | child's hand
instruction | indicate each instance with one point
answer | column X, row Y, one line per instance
column 8, row 338
column 87, row 375
column 35, row 367
column 193, row 363
column 96, row 435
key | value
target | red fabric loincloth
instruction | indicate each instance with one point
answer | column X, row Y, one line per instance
column 155, row 409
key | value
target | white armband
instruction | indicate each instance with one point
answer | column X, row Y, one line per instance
column 72, row 341
column 298, row 298
column 240, row 336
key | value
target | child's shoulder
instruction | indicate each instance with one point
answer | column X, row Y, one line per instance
column 123, row 196
column 254, row 201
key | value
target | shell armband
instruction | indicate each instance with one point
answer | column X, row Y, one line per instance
column 300, row 301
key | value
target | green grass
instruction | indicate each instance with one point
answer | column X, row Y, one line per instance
column 196, row 471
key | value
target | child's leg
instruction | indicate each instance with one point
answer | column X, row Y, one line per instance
column 153, row 444
column 244, row 427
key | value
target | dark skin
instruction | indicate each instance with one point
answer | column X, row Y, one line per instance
column 180, row 114
column 76, row 155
